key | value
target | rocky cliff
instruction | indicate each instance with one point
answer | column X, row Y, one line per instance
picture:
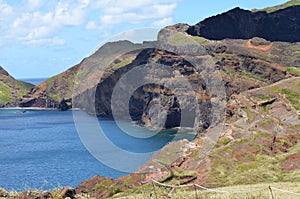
column 280, row 25
column 152, row 94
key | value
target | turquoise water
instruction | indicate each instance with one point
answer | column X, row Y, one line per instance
column 41, row 149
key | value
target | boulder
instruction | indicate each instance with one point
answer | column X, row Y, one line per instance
column 44, row 195
column 3, row 192
column 68, row 192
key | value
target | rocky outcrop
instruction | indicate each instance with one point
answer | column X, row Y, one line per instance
column 281, row 25
column 64, row 105
column 68, row 192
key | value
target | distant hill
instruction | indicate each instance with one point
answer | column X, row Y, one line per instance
column 11, row 89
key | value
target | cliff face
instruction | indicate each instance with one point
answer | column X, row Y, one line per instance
column 144, row 100
column 281, row 25
column 11, row 89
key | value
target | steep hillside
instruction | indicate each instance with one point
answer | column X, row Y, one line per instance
column 81, row 77
column 51, row 92
column 11, row 89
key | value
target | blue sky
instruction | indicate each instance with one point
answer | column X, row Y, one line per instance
column 41, row 38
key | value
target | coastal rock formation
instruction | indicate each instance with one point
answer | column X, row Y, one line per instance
column 282, row 25
column 144, row 102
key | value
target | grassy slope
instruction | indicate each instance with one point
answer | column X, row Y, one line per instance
column 12, row 89
column 5, row 95
column 282, row 6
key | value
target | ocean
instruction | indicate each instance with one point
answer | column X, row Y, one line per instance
column 41, row 149
column 34, row 81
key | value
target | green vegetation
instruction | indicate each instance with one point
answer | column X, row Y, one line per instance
column 180, row 39
column 248, row 75
column 257, row 41
column 223, row 141
column 296, row 53
column 282, row 6
column 230, row 72
column 264, row 97
column 60, row 86
column 123, row 63
column 265, row 56
column 291, row 91
column 265, row 123
column 228, row 55
column 23, row 88
column 293, row 70
column 250, row 114
column 12, row 90
column 5, row 93
column 293, row 97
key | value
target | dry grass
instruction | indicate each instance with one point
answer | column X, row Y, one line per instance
column 235, row 192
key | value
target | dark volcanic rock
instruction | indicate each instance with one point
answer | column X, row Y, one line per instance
column 153, row 104
column 63, row 105
column 44, row 102
column 282, row 25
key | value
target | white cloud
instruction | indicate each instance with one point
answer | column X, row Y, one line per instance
column 34, row 4
column 48, row 41
column 71, row 14
column 134, row 12
column 30, row 22
column 91, row 25
column 5, row 10
column 163, row 22
column 38, row 21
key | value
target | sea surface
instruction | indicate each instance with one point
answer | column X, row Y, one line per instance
column 34, row 81
column 41, row 149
